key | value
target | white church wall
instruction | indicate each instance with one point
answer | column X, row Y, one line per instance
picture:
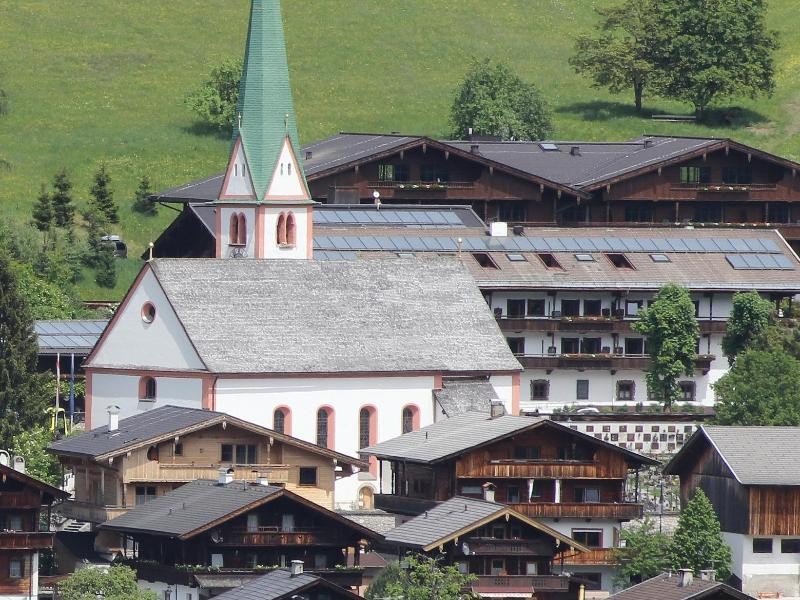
column 235, row 251
column 302, row 218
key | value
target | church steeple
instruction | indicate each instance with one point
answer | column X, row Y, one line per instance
column 264, row 175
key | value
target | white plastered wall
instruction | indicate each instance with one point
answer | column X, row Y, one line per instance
column 302, row 215
column 228, row 251
column 131, row 342
column 764, row 572
column 238, row 181
column 257, row 399
column 286, row 179
column 109, row 389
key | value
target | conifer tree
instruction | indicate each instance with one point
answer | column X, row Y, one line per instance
column 22, row 395
column 697, row 543
column 141, row 201
column 96, row 227
column 63, row 209
column 106, row 275
column 102, row 196
column 43, row 214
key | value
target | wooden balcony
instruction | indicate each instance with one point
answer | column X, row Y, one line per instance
column 583, row 510
column 518, row 583
column 590, row 324
column 21, row 540
column 477, row 467
column 506, row 547
column 597, row 556
column 273, row 537
column 403, row 505
column 20, row 500
column 723, row 191
column 424, row 190
column 91, row 513
column 181, row 472
column 600, row 361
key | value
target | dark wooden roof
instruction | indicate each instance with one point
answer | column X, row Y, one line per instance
column 49, row 492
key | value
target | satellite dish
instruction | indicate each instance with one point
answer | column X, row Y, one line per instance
column 216, row 536
column 5, row 458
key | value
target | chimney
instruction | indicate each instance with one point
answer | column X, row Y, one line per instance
column 113, row 417
column 708, row 575
column 309, row 154
column 685, row 577
column 296, row 568
column 498, row 229
column 225, row 476
column 575, row 151
column 497, row 409
column 488, row 491
column 19, row 464
column 649, row 143
column 473, row 148
column 263, row 480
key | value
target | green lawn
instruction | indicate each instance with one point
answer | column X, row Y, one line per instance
column 104, row 80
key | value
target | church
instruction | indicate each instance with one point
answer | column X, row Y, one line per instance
column 339, row 353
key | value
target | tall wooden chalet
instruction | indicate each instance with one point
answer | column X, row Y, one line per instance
column 649, row 180
column 752, row 478
column 24, row 531
column 573, row 482
column 211, row 535
column 135, row 460
column 509, row 554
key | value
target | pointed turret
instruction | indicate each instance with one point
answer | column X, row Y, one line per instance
column 264, row 186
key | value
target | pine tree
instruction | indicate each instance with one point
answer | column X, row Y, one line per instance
column 43, row 214
column 96, row 227
column 141, row 202
column 102, row 196
column 106, row 275
column 63, row 209
column 697, row 543
column 22, row 396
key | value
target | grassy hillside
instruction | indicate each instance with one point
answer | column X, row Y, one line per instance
column 103, row 80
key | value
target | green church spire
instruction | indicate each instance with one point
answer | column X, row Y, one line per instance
column 265, row 109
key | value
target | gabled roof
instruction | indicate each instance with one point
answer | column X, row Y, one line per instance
column 204, row 504
column 390, row 316
column 164, row 423
column 280, row 584
column 665, row 587
column 457, row 517
column 451, row 437
column 462, row 395
column 755, row 455
column 49, row 491
column 68, row 336
column 265, row 96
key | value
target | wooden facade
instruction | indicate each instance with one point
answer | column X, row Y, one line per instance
column 24, row 530
column 105, row 489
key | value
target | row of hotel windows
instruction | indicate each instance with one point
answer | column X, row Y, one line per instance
column 285, row 233
column 587, row 345
column 571, row 307
column 625, row 392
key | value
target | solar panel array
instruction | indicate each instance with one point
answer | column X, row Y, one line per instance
column 55, row 336
column 334, row 255
column 759, row 261
column 547, row 244
column 388, row 216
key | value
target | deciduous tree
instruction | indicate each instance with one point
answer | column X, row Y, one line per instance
column 39, row 463
column 215, row 100
column 619, row 57
column 750, row 315
column 671, row 331
column 707, row 50
column 424, row 578
column 22, row 396
column 644, row 555
column 697, row 543
column 493, row 100
column 118, row 583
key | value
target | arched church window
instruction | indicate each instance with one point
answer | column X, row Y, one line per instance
column 410, row 419
column 325, row 427
column 281, row 230
column 291, row 230
column 147, row 389
column 233, row 229
column 282, row 420
column 242, row 229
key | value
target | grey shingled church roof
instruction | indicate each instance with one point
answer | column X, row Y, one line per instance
column 755, row 455
column 459, row 396
column 302, row 316
column 278, row 584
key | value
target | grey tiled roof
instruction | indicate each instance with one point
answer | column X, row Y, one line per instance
column 459, row 396
column 298, row 316
column 756, row 455
column 279, row 584
column 133, row 430
column 468, row 431
column 191, row 507
column 345, row 148
column 65, row 336
column 665, row 587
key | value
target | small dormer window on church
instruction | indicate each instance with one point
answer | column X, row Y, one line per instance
column 288, row 168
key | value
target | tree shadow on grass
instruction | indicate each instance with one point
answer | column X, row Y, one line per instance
column 201, row 129
column 722, row 116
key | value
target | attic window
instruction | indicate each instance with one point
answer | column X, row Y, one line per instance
column 548, row 146
column 584, row 258
column 485, row 260
column 516, row 258
column 148, row 312
column 549, row 261
column 660, row 258
column 620, row 261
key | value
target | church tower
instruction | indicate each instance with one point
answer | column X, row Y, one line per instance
column 264, row 209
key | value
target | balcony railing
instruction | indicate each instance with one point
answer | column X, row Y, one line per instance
column 597, row 556
column 602, row 324
column 725, row 187
column 422, row 186
column 91, row 513
column 582, row 510
column 273, row 537
column 600, row 361
column 20, row 540
column 20, row 500
column 500, row 583
column 191, row 471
